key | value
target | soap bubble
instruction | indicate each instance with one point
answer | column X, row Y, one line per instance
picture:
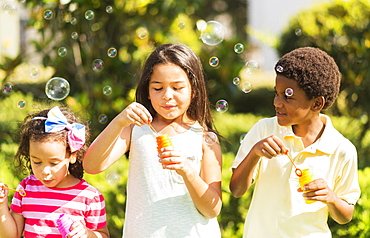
column 246, row 87
column 238, row 48
column 298, row 32
column 279, row 69
column 210, row 137
column 102, row 118
column 89, row 15
column 48, row 14
column 109, row 9
column 181, row 26
column 289, row 92
column 142, row 33
column 57, row 88
column 212, row 33
column 34, row 72
column 98, row 65
column 7, row 88
column 236, row 81
column 74, row 35
column 21, row 104
column 9, row 8
column 73, row 21
column 112, row 52
column 241, row 138
column 213, row 61
column 222, row 106
column 62, row 51
column 112, row 178
column 252, row 67
column 107, row 90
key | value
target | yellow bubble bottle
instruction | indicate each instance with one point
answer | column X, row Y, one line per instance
column 305, row 178
column 162, row 142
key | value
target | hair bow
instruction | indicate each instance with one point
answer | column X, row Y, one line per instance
column 56, row 121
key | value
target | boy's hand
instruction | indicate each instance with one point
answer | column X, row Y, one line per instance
column 319, row 191
column 3, row 194
column 269, row 147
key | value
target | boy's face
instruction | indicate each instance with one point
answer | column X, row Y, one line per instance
column 291, row 103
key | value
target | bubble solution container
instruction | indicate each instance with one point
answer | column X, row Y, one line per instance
column 64, row 223
column 307, row 177
column 162, row 142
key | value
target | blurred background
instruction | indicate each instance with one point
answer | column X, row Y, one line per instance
column 88, row 55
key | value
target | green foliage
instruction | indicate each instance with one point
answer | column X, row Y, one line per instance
column 341, row 28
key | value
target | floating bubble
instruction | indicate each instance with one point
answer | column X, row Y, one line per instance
column 74, row 35
column 62, row 51
column 238, row 48
column 107, row 90
column 241, row 138
column 109, row 9
column 289, row 92
column 21, row 104
column 246, row 87
column 252, row 67
column 102, row 118
column 48, row 14
column 89, row 15
column 212, row 33
column 98, row 65
column 222, row 106
column 279, row 69
column 298, row 32
column 210, row 137
column 112, row 178
column 73, row 21
column 213, row 61
column 142, row 33
column 9, row 8
column 112, row 52
column 236, row 81
column 7, row 88
column 34, row 72
column 57, row 88
column 181, row 26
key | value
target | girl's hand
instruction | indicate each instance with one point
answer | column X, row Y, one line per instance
column 269, row 147
column 174, row 160
column 78, row 230
column 3, row 194
column 135, row 113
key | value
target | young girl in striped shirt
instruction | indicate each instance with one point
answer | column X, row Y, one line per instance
column 52, row 145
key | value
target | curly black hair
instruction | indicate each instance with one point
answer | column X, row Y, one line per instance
column 315, row 72
column 34, row 130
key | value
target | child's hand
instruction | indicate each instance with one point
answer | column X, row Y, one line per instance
column 135, row 113
column 3, row 194
column 269, row 147
column 174, row 160
column 319, row 191
column 78, row 230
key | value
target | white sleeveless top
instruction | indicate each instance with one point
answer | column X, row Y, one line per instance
column 158, row 202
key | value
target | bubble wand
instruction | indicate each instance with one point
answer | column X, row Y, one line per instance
column 150, row 125
column 298, row 172
column 20, row 191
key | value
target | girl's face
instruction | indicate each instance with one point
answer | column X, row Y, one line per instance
column 169, row 91
column 50, row 162
column 292, row 106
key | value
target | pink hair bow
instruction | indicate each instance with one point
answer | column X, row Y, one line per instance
column 56, row 121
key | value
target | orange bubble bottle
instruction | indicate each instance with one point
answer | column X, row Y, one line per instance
column 162, row 142
column 305, row 178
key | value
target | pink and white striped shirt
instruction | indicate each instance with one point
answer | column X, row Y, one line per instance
column 42, row 206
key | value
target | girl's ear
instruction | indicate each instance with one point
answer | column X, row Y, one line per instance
column 319, row 103
column 72, row 158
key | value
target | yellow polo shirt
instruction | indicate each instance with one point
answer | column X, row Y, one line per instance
column 277, row 209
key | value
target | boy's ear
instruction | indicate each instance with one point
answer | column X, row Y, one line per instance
column 318, row 104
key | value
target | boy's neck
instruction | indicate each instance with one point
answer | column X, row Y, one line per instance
column 309, row 133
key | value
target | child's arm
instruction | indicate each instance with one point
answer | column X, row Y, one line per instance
column 204, row 188
column 114, row 140
column 241, row 178
column 11, row 223
column 79, row 230
column 339, row 209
